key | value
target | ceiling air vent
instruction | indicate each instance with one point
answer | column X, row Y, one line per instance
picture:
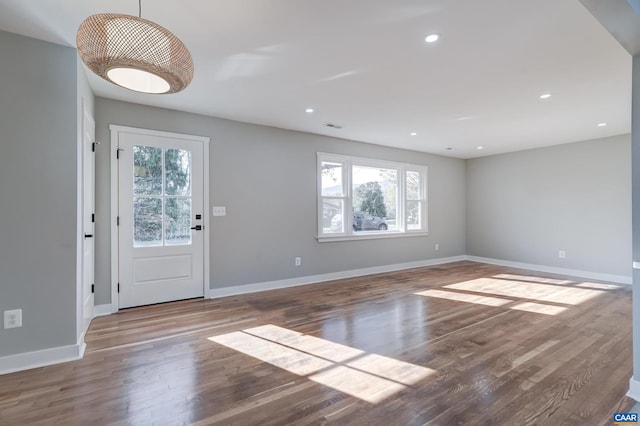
column 335, row 126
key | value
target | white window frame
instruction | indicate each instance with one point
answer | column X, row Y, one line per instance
column 348, row 162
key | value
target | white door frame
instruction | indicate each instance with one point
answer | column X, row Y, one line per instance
column 88, row 201
column 115, row 260
column 83, row 318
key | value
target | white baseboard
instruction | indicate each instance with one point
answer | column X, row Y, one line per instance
column 293, row 282
column 634, row 389
column 42, row 358
column 312, row 279
column 82, row 346
column 620, row 279
column 86, row 322
column 102, row 310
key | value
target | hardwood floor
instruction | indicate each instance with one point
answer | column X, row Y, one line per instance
column 462, row 343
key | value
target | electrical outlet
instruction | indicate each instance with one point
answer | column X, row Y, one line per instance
column 13, row 318
column 298, row 261
column 562, row 254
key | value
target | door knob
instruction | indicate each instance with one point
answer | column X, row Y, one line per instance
column 197, row 227
column 88, row 235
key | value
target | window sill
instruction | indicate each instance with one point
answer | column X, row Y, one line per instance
column 371, row 236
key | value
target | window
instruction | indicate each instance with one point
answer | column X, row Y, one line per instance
column 365, row 198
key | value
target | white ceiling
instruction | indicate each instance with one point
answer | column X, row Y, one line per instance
column 364, row 65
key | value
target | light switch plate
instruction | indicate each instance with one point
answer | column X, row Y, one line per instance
column 219, row 211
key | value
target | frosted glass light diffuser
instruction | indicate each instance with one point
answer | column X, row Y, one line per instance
column 138, row 80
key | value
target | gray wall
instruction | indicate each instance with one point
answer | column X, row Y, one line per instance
column 37, row 192
column 266, row 177
column 528, row 205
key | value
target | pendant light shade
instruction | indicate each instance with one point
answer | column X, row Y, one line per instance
column 135, row 53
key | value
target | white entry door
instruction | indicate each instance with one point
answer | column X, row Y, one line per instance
column 161, row 218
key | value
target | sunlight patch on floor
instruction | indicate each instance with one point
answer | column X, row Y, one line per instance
column 465, row 297
column 398, row 371
column 293, row 361
column 369, row 377
column 313, row 345
column 539, row 308
column 599, row 286
column 528, row 278
column 364, row 386
column 526, row 290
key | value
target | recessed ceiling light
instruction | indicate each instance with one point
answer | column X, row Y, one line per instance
column 480, row 147
column 431, row 38
column 308, row 110
column 545, row 96
column 602, row 124
column 413, row 134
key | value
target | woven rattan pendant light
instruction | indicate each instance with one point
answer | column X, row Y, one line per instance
column 134, row 53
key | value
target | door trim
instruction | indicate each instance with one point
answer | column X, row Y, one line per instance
column 82, row 323
column 115, row 259
column 87, row 118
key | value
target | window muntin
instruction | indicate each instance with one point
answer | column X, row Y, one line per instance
column 366, row 197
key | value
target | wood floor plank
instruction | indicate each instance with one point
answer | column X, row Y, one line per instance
column 461, row 343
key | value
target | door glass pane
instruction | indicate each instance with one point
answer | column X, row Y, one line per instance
column 178, row 172
column 147, row 170
column 147, row 221
column 162, row 196
column 178, row 221
column 413, row 185
column 332, row 179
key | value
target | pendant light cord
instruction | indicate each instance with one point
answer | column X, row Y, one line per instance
column 139, row 8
